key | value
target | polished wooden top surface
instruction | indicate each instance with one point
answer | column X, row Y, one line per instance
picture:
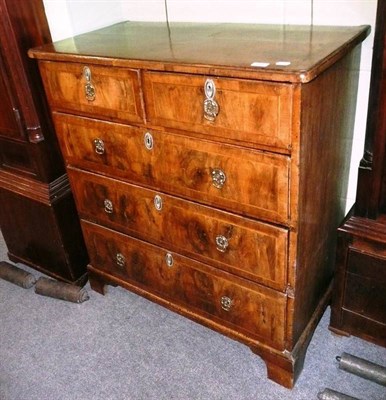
column 212, row 48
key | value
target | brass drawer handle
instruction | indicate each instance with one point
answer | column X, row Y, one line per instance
column 99, row 146
column 226, row 303
column 218, row 178
column 169, row 260
column 89, row 88
column 108, row 206
column 222, row 243
column 211, row 107
column 120, row 260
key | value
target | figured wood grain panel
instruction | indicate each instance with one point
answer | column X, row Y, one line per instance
column 251, row 112
column 257, row 183
column 255, row 250
column 254, row 310
column 282, row 137
column 328, row 107
column 117, row 95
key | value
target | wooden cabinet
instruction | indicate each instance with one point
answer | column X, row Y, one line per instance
column 359, row 302
column 38, row 217
column 205, row 183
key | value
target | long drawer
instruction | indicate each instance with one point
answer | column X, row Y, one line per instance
column 244, row 111
column 246, row 181
column 93, row 90
column 233, row 302
column 249, row 248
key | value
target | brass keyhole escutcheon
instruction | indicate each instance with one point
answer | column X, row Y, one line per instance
column 158, row 202
column 148, row 140
column 169, row 260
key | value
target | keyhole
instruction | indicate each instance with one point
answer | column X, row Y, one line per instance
column 148, row 141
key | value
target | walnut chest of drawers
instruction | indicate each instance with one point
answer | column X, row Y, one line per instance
column 209, row 167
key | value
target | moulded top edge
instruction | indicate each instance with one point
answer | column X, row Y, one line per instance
column 288, row 53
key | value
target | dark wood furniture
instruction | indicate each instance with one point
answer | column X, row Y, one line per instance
column 359, row 303
column 207, row 182
column 38, row 217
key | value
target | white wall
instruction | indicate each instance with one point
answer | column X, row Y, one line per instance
column 70, row 17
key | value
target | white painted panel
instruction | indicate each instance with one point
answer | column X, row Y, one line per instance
column 58, row 18
column 144, row 10
column 359, row 132
column 344, row 12
column 349, row 12
column 353, row 12
column 88, row 15
column 297, row 12
column 258, row 11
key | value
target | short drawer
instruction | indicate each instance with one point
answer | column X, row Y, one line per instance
column 249, row 112
column 246, row 181
column 93, row 90
column 233, row 302
column 249, row 248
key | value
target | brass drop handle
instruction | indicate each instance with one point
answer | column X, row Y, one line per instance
column 222, row 243
column 226, row 303
column 218, row 178
column 99, row 146
column 211, row 107
column 120, row 260
column 108, row 206
column 89, row 88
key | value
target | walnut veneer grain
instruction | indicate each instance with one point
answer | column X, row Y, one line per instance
column 229, row 221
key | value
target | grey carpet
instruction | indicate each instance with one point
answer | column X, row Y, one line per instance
column 123, row 347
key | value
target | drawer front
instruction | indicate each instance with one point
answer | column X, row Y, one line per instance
column 256, row 311
column 365, row 286
column 253, row 183
column 98, row 92
column 248, row 111
column 249, row 248
column 366, row 297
